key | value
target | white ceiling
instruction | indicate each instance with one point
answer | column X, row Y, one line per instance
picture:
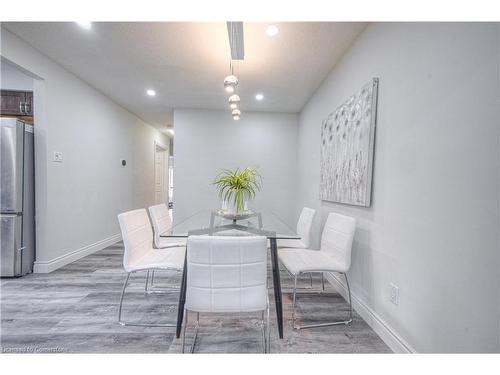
column 186, row 62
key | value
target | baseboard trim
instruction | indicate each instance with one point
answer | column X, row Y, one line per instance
column 393, row 340
column 54, row 264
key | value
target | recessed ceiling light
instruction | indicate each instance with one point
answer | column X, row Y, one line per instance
column 151, row 92
column 259, row 97
column 272, row 30
column 85, row 25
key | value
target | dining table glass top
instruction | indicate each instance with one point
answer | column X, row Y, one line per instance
column 214, row 222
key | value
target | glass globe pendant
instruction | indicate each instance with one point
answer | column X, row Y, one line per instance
column 230, row 83
column 234, row 101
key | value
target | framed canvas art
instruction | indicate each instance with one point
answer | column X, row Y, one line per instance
column 347, row 149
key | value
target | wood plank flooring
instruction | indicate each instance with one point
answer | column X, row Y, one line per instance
column 74, row 310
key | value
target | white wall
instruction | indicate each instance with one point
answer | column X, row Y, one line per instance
column 78, row 200
column 207, row 141
column 433, row 228
column 498, row 28
column 11, row 78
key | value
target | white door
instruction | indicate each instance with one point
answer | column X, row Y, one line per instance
column 161, row 177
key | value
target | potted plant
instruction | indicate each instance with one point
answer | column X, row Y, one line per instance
column 235, row 188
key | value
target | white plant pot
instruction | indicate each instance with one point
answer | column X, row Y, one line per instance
column 230, row 207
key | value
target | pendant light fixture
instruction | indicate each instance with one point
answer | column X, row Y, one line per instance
column 236, row 114
column 234, row 100
column 230, row 84
column 236, row 44
column 231, row 81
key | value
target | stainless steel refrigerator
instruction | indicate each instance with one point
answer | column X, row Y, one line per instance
column 17, row 201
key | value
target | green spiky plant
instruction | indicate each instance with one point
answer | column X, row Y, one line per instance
column 238, row 185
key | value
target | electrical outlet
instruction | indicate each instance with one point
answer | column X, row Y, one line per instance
column 394, row 296
column 58, row 156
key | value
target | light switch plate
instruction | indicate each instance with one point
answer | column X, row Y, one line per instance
column 394, row 296
column 58, row 157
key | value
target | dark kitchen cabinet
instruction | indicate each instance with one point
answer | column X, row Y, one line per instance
column 28, row 100
column 16, row 103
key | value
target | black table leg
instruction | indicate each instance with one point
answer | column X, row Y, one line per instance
column 182, row 298
column 277, row 285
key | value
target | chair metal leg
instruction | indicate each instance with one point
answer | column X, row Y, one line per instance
column 294, row 298
column 196, row 328
column 266, row 333
column 348, row 321
column 121, row 300
column 263, row 332
column 184, row 330
column 350, row 301
column 306, row 289
column 150, row 288
column 268, row 328
column 123, row 323
column 147, row 281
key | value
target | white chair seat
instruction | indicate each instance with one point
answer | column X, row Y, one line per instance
column 291, row 243
column 160, row 258
column 167, row 242
column 304, row 260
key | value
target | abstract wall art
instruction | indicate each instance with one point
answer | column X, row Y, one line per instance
column 347, row 147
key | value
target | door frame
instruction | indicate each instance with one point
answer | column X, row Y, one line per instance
column 158, row 144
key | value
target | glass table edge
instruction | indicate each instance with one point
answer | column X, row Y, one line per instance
column 269, row 234
column 277, row 237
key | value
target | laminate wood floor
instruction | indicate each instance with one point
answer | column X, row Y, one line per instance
column 74, row 309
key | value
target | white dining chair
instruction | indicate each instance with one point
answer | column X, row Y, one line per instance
column 140, row 255
column 334, row 256
column 304, row 225
column 162, row 223
column 226, row 275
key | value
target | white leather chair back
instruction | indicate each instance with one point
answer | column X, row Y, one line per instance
column 337, row 238
column 304, row 225
column 137, row 235
column 226, row 274
column 161, row 221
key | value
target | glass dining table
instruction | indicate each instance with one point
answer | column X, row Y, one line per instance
column 211, row 223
